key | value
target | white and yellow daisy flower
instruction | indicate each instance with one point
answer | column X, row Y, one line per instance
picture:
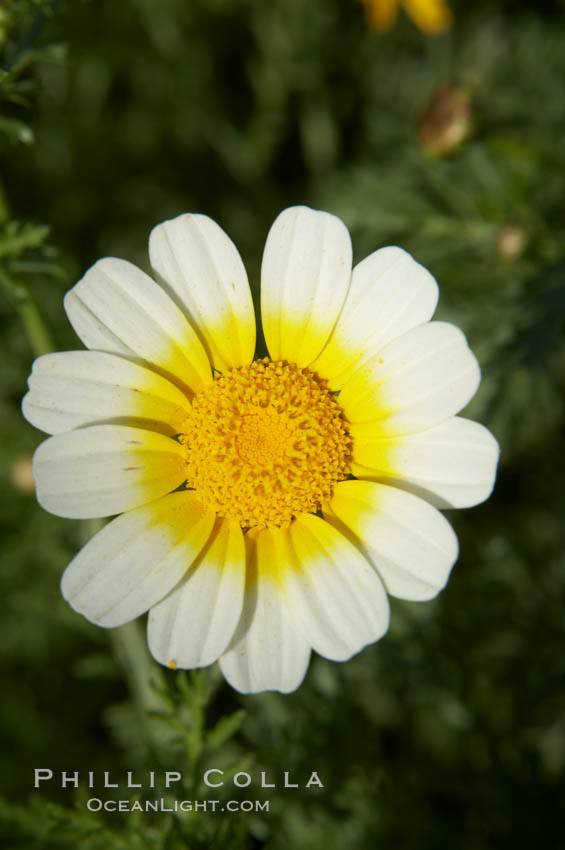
column 266, row 507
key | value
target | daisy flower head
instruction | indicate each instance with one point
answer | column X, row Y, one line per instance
column 266, row 507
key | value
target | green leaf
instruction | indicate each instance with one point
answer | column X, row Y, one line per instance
column 17, row 237
column 16, row 131
column 225, row 728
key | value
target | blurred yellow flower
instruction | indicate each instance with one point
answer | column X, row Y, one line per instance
column 431, row 16
column 3, row 27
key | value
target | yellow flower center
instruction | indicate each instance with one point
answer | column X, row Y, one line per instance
column 266, row 442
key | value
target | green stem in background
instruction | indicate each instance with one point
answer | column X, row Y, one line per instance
column 36, row 330
column 23, row 301
column 130, row 647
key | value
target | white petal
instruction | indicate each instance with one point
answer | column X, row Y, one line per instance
column 105, row 469
column 415, row 382
column 194, row 624
column 337, row 597
column 267, row 653
column 304, row 280
column 136, row 559
column 452, row 465
column 411, row 544
column 200, row 267
column 74, row 388
column 117, row 308
column 390, row 293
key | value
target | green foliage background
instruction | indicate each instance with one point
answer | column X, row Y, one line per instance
column 116, row 115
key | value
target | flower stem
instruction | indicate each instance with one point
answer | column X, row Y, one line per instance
column 141, row 671
column 34, row 325
column 35, row 328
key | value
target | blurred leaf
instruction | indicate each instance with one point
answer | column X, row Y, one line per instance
column 16, row 130
column 17, row 237
column 225, row 728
